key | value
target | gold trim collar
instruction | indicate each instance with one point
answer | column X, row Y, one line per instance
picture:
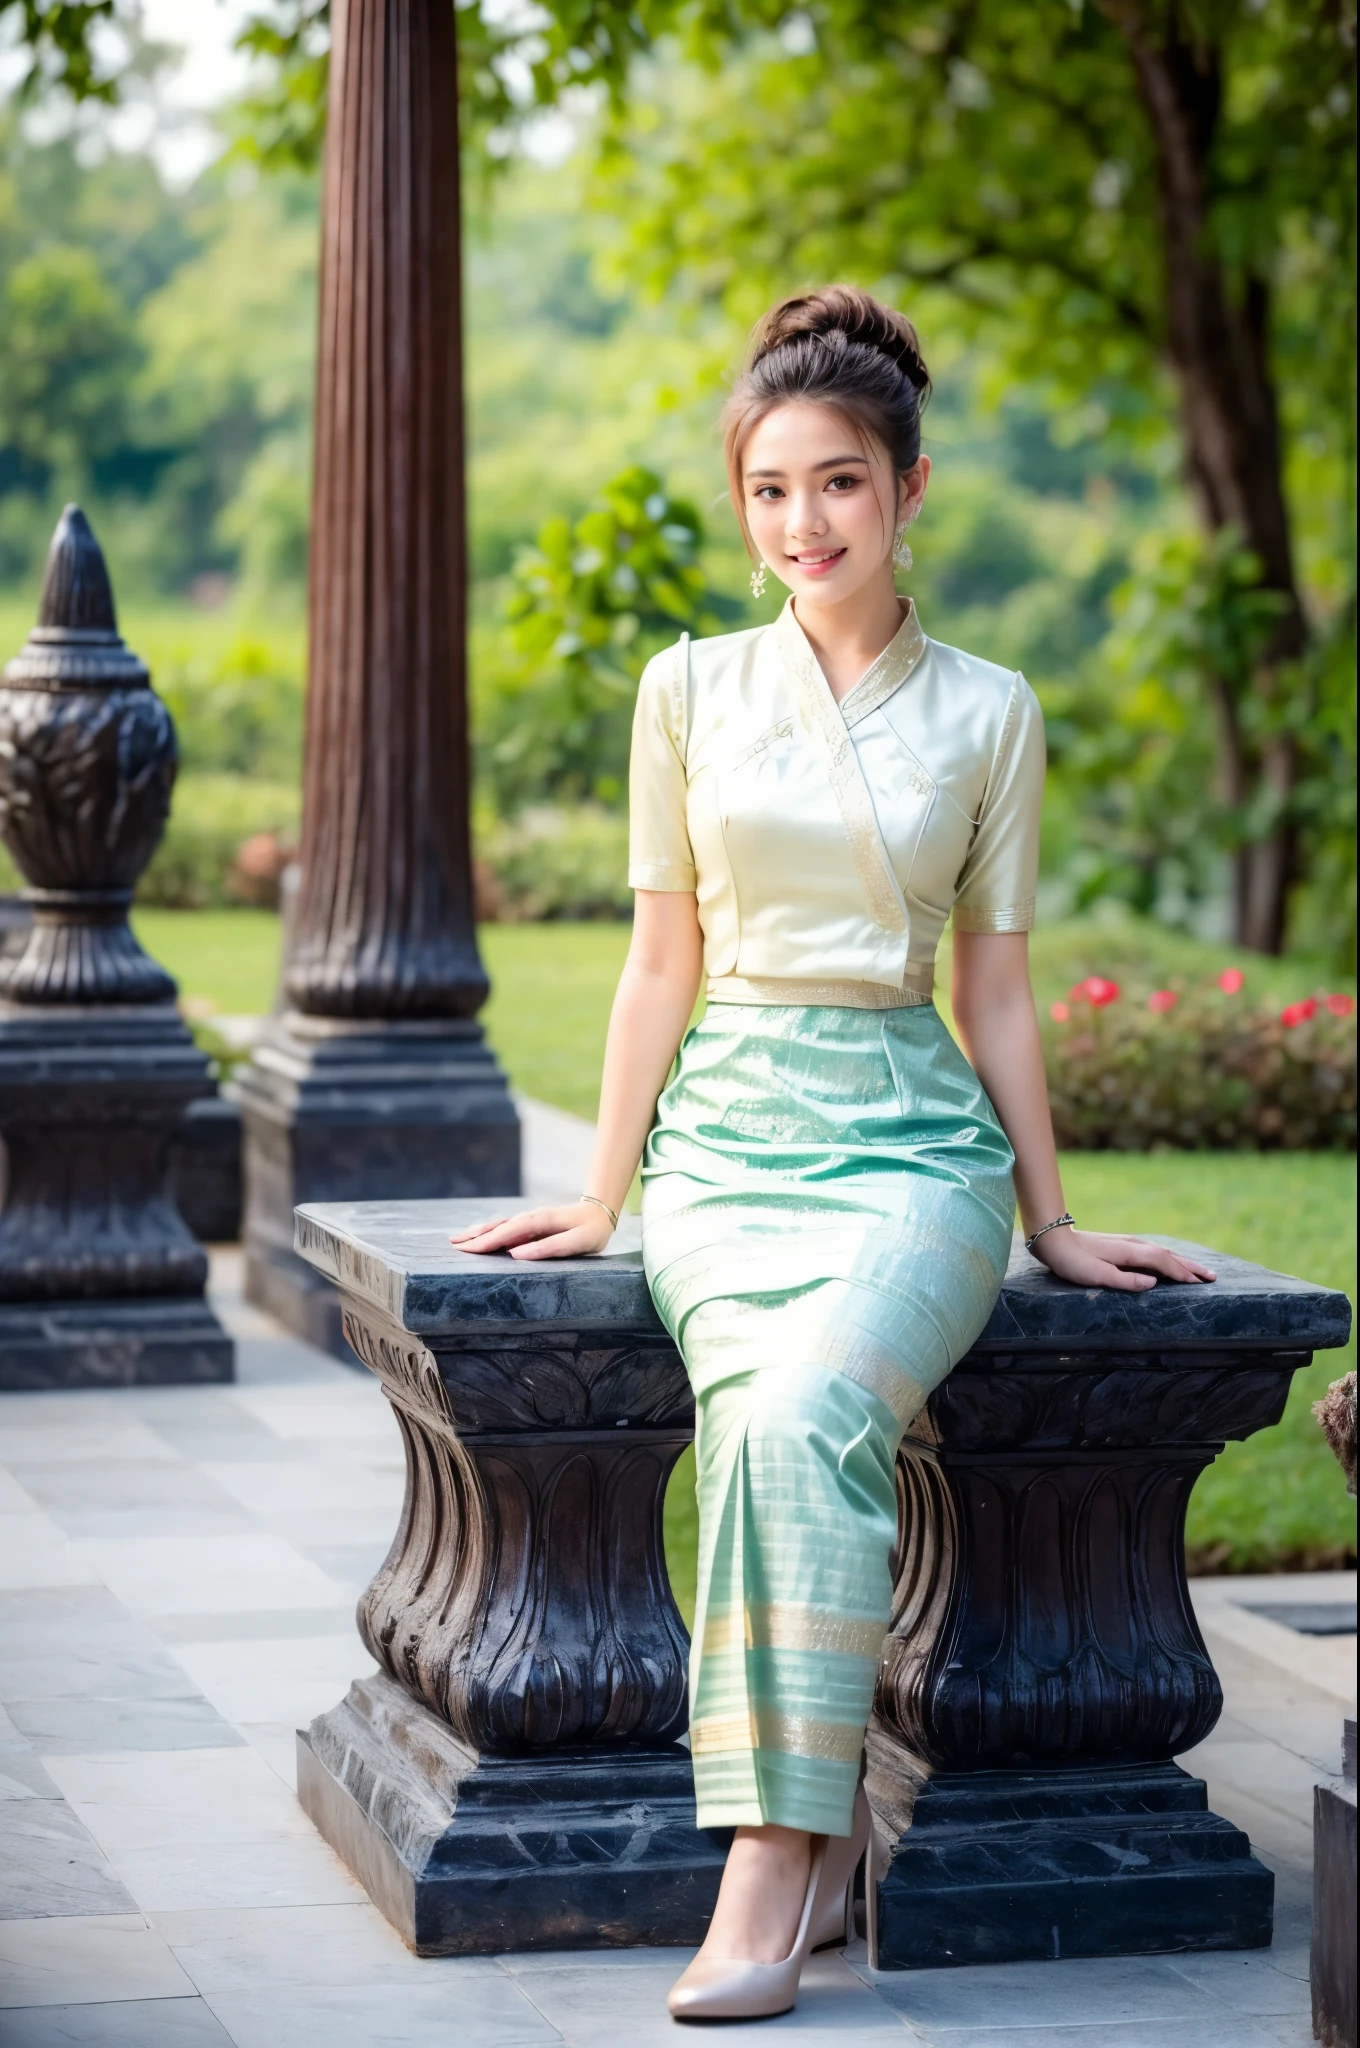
column 884, row 676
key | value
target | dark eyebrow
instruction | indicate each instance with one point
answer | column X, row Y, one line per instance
column 835, row 462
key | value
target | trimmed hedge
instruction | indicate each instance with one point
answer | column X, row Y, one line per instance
column 1197, row 1069
column 214, row 821
column 551, row 863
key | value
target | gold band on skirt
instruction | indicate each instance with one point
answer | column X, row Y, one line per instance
column 827, row 1215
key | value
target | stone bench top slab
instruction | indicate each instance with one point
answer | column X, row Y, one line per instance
column 396, row 1257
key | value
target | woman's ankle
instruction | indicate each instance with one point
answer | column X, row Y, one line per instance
column 761, row 1900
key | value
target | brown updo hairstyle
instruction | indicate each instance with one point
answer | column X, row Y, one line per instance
column 836, row 347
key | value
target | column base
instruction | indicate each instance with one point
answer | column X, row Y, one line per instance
column 1332, row 1952
column 296, row 1295
column 335, row 1110
column 142, row 1341
column 205, row 1169
column 481, row 1855
column 1010, row 1866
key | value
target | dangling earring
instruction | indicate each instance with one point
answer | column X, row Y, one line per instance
column 758, row 581
column 901, row 552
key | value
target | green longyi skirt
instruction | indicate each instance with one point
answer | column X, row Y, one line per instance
column 827, row 1215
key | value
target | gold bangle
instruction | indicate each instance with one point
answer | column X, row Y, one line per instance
column 612, row 1214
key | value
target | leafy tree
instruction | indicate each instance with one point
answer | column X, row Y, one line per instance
column 1141, row 195
column 587, row 607
column 1138, row 197
column 66, row 347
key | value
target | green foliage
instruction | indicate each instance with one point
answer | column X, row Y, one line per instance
column 554, row 863
column 283, row 124
column 57, row 37
column 152, row 366
column 67, row 353
column 238, row 713
column 586, row 608
column 1324, row 800
column 1141, row 734
column 1137, row 735
column 998, row 150
column 1195, row 1069
column 211, row 818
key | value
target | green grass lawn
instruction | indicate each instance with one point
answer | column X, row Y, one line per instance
column 1274, row 1501
column 226, row 958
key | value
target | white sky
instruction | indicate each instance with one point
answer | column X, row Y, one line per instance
column 170, row 118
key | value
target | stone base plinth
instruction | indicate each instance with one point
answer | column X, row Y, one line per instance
column 480, row 1855
column 349, row 1111
column 286, row 1288
column 143, row 1342
column 1332, row 1957
column 101, row 1280
column 205, row 1169
column 1002, row 1867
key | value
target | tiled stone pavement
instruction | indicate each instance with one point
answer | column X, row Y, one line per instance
column 178, row 1571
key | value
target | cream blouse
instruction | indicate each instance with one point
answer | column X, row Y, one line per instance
column 827, row 843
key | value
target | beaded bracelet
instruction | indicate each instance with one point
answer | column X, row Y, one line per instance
column 1056, row 1224
column 595, row 1201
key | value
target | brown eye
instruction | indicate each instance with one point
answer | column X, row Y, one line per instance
column 837, row 483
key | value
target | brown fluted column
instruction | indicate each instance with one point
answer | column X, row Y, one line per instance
column 376, row 1081
column 384, row 918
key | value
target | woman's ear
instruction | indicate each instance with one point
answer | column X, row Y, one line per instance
column 911, row 488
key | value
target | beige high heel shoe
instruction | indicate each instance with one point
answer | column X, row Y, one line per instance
column 723, row 1989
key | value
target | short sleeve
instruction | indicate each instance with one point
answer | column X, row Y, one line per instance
column 997, row 887
column 659, row 852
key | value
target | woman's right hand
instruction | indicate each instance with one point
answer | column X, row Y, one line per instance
column 566, row 1233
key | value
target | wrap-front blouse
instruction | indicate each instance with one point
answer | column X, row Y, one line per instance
column 828, row 843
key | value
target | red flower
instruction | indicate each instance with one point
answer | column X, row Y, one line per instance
column 1163, row 999
column 1231, row 980
column 1298, row 1013
column 1096, row 991
column 1059, row 1012
column 1340, row 1005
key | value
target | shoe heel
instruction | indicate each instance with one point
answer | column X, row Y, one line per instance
column 871, row 1903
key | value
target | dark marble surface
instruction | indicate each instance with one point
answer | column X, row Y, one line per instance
column 1008, row 1866
column 171, row 1341
column 397, row 1257
column 471, row 1854
column 351, row 1112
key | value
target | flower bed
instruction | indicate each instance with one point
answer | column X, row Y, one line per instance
column 1197, row 1068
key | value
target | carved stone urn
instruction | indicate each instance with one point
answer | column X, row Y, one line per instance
column 87, row 764
column 101, row 1281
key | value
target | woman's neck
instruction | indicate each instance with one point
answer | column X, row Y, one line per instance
column 847, row 638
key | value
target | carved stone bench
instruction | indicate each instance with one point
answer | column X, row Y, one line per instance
column 515, row 1777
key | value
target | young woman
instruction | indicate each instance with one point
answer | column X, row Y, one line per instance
column 829, row 1185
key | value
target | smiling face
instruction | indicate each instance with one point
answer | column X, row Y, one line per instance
column 822, row 503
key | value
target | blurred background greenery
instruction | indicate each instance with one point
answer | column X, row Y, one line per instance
column 156, row 362
column 641, row 181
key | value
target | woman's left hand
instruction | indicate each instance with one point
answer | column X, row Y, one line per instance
column 1089, row 1258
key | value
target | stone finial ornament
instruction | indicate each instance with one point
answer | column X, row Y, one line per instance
column 101, row 1280
column 87, row 764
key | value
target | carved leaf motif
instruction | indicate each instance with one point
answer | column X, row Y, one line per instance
column 85, row 782
column 525, row 1596
column 567, row 1386
column 1041, row 1613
